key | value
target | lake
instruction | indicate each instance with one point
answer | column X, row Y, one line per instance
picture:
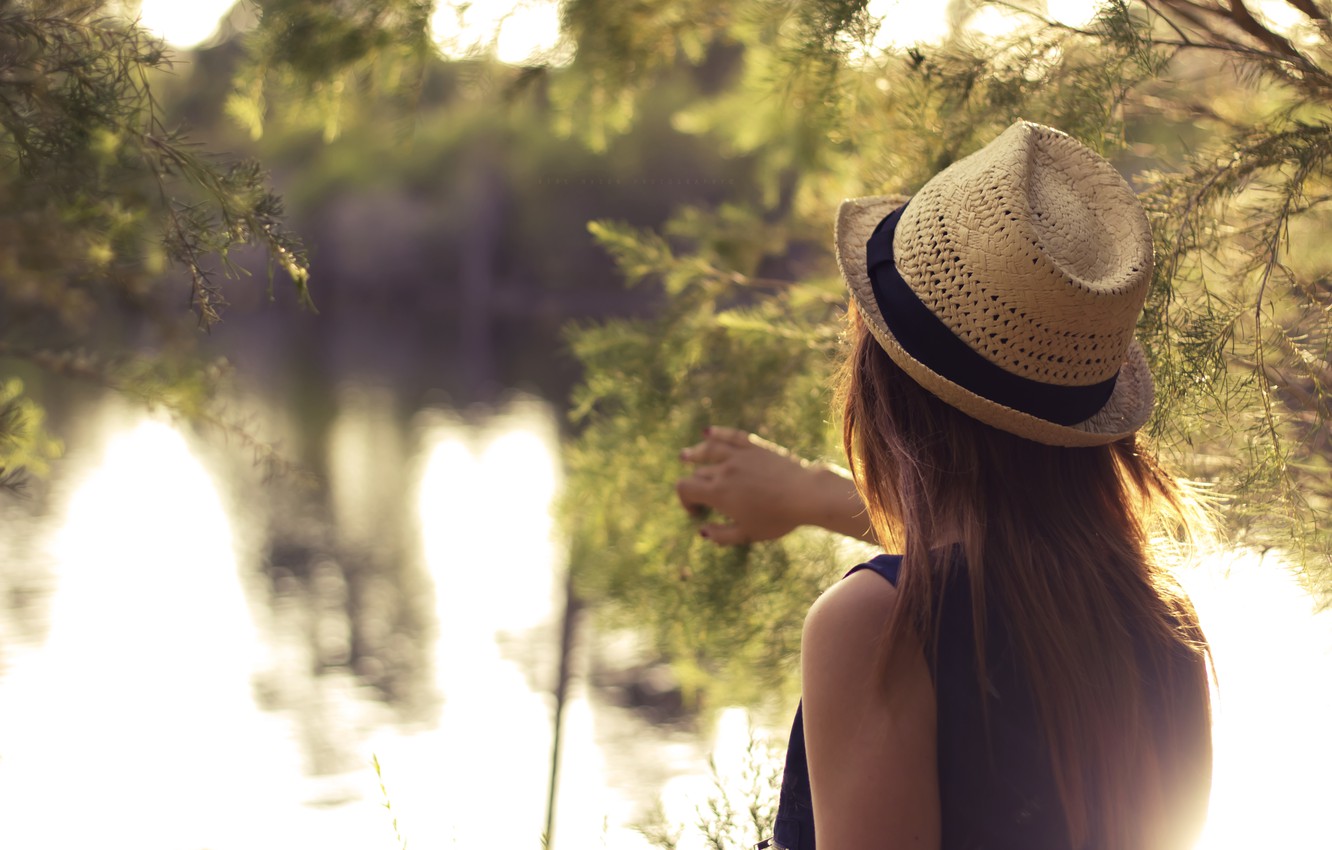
column 192, row 656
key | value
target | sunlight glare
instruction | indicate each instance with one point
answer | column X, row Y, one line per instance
column 1072, row 13
column 903, row 24
column 589, row 803
column 137, row 713
column 686, row 798
column 518, row 33
column 1273, row 651
column 529, row 34
column 487, row 534
column 365, row 459
column 183, row 24
column 1280, row 15
column 993, row 23
column 486, row 526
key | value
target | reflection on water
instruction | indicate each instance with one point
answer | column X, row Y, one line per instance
column 166, row 686
column 484, row 512
column 134, row 718
column 1273, row 654
column 182, row 690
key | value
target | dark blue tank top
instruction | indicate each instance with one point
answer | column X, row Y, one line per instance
column 1005, row 802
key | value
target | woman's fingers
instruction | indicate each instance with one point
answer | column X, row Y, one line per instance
column 724, row 535
column 709, row 451
column 719, row 444
column 708, row 474
column 695, row 494
column 749, row 481
column 754, row 485
column 727, row 436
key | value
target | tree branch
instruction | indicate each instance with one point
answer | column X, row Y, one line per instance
column 1310, row 10
column 1233, row 28
column 1244, row 19
column 1151, row 5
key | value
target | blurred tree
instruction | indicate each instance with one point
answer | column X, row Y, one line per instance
column 314, row 58
column 98, row 196
column 1240, row 319
column 1219, row 110
column 1221, row 117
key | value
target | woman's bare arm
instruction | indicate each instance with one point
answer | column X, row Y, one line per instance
column 871, row 744
column 765, row 491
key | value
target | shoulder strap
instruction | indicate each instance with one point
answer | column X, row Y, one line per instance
column 885, row 565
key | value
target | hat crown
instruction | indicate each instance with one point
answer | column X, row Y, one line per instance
column 1035, row 252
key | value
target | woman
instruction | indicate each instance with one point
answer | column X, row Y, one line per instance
column 1024, row 675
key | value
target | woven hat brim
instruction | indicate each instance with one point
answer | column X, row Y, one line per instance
column 1127, row 410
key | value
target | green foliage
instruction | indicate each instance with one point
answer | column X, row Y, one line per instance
column 23, row 443
column 830, row 117
column 726, row 346
column 91, row 169
column 623, row 49
column 1229, row 125
column 100, row 197
column 1238, row 323
column 740, row 811
column 313, row 58
column 388, row 803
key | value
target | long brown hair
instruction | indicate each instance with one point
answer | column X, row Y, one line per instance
column 1058, row 540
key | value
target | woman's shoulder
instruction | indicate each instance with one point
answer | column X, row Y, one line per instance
column 846, row 624
column 871, row 748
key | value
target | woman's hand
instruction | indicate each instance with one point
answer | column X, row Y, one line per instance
column 764, row 490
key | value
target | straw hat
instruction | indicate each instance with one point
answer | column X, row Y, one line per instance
column 1009, row 287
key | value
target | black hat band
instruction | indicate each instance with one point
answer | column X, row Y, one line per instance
column 930, row 342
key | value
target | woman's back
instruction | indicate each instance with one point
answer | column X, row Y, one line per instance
column 991, row 401
column 994, row 780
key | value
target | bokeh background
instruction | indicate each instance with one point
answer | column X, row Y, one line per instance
column 338, row 603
